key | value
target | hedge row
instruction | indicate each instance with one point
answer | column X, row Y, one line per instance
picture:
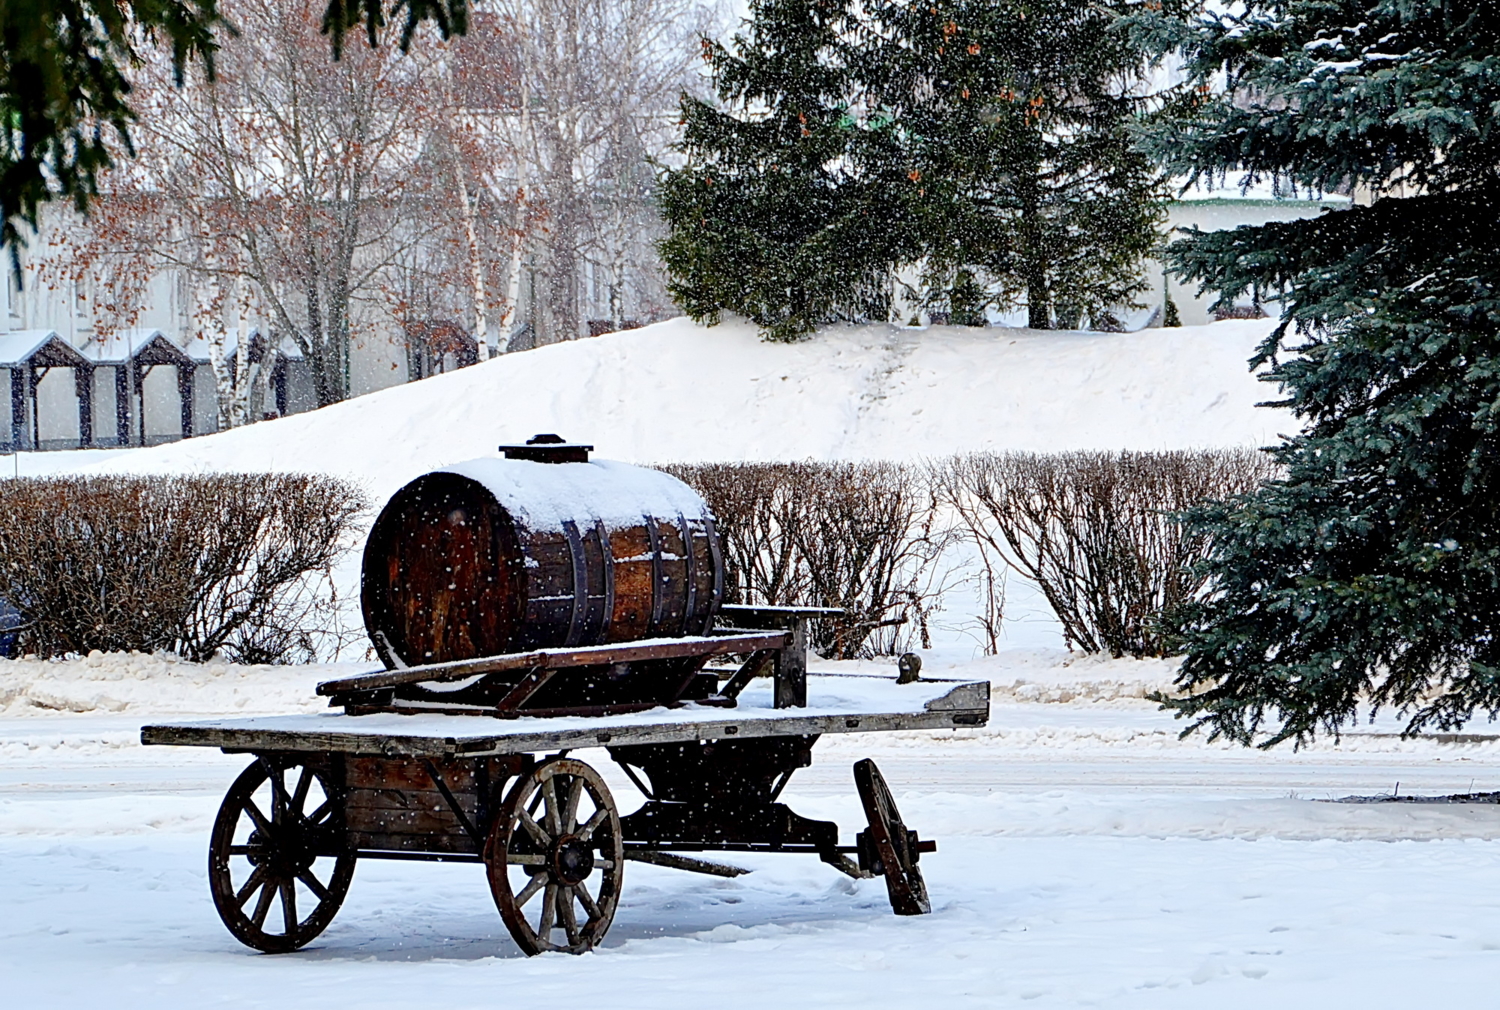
column 238, row 564
column 887, row 542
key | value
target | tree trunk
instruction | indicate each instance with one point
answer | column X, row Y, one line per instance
column 1033, row 256
column 512, row 280
column 476, row 261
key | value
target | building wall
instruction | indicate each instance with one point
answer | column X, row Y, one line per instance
column 57, row 409
column 205, row 401
column 163, row 404
column 105, row 417
column 1218, row 215
column 377, row 360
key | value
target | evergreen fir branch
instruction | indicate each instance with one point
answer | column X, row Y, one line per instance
column 1365, row 577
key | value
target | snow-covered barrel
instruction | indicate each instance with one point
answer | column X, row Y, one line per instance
column 539, row 549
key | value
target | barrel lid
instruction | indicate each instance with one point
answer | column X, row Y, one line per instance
column 548, row 449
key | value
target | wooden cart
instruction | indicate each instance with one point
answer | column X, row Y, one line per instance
column 396, row 776
column 555, row 604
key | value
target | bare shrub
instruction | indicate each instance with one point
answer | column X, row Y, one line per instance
column 859, row 536
column 759, row 511
column 232, row 563
column 868, row 541
column 1095, row 531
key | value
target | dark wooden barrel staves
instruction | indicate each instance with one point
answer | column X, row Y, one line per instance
column 506, row 555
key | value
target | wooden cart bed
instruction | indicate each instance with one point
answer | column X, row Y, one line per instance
column 836, row 703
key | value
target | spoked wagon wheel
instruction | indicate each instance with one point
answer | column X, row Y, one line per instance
column 278, row 841
column 555, row 857
column 888, row 848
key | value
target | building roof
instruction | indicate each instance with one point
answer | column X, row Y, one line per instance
column 38, row 347
column 198, row 348
column 143, row 346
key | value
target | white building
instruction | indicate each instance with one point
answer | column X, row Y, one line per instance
column 1218, row 210
column 147, row 384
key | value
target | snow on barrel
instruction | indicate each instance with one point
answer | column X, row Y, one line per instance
column 543, row 548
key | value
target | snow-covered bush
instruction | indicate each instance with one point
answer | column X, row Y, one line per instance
column 1096, row 531
column 196, row 565
column 860, row 536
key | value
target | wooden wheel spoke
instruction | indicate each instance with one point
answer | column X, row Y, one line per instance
column 567, row 915
column 278, row 796
column 521, row 859
column 529, row 891
column 259, row 818
column 257, row 876
column 263, row 903
column 313, row 884
column 299, row 795
column 586, row 900
column 243, row 850
column 550, row 809
column 289, row 905
column 533, row 829
column 324, row 809
column 587, row 831
column 549, row 910
column 570, row 805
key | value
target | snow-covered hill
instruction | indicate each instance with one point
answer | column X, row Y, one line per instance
column 679, row 391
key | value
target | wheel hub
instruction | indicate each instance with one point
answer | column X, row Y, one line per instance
column 572, row 860
column 285, row 852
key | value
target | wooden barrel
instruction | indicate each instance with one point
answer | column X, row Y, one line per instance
column 505, row 555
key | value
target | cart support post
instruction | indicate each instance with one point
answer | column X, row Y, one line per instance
column 791, row 662
column 791, row 667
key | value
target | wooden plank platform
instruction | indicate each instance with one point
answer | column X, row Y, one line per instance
column 836, row 704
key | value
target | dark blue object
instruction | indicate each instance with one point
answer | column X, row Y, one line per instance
column 10, row 620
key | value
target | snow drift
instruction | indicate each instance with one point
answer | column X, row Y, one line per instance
column 682, row 392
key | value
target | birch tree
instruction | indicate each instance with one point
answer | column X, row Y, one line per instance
column 596, row 94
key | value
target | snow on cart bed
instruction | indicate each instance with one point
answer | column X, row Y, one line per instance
column 836, row 704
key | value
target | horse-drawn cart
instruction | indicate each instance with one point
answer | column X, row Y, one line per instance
column 556, row 605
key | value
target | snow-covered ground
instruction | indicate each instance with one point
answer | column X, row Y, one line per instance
column 1087, row 857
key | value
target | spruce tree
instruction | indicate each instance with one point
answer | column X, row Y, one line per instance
column 1370, row 572
column 984, row 146
column 775, row 215
column 1016, row 137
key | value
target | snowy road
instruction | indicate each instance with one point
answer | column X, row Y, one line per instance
column 1087, row 858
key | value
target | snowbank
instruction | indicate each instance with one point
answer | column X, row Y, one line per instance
column 1055, row 676
column 679, row 391
column 160, row 684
